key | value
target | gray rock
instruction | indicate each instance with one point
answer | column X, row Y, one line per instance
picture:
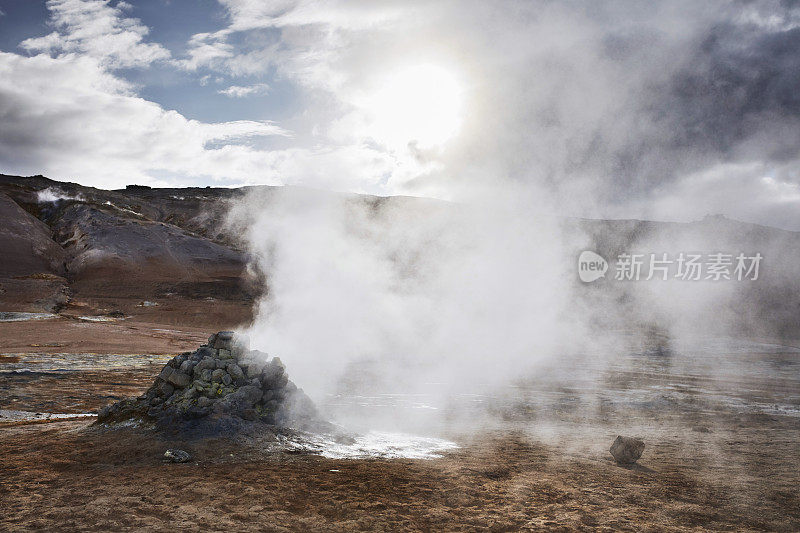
column 202, row 401
column 207, row 362
column 273, row 376
column 226, row 335
column 187, row 366
column 204, row 368
column 227, row 379
column 220, row 363
column 179, row 379
column 627, row 450
column 196, row 412
column 225, row 353
column 106, row 411
column 223, row 344
column 206, row 375
column 165, row 372
column 235, row 371
column 217, row 374
column 177, row 456
column 203, row 351
column 251, row 394
column 166, row 389
column 254, row 370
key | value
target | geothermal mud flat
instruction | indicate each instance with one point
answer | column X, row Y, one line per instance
column 721, row 450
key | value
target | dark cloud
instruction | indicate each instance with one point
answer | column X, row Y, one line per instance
column 739, row 82
column 620, row 103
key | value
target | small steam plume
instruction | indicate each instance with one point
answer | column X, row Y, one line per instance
column 53, row 195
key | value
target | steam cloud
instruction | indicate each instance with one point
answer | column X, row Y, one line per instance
column 53, row 195
column 581, row 109
column 421, row 287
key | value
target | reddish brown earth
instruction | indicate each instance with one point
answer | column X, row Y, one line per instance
column 69, row 476
column 68, row 335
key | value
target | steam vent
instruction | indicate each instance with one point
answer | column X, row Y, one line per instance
column 222, row 387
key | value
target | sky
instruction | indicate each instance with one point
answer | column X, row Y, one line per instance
column 668, row 110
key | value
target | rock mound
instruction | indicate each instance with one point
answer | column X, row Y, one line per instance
column 221, row 387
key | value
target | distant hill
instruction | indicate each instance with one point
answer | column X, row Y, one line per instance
column 86, row 250
column 136, row 244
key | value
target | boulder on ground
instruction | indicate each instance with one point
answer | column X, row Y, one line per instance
column 177, row 456
column 627, row 450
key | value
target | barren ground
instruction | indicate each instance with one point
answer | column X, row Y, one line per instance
column 727, row 470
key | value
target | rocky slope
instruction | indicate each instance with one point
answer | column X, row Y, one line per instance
column 166, row 254
column 106, row 251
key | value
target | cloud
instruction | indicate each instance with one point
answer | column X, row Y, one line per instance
column 70, row 118
column 603, row 107
column 238, row 91
column 67, row 114
column 205, row 53
column 96, row 29
column 247, row 15
column 309, row 32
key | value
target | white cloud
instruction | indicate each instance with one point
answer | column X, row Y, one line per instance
column 352, row 15
column 205, row 52
column 312, row 44
column 69, row 118
column 96, row 29
column 238, row 91
column 311, row 32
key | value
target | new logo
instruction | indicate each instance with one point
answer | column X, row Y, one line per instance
column 591, row 266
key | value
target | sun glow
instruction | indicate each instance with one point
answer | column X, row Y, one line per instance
column 418, row 105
